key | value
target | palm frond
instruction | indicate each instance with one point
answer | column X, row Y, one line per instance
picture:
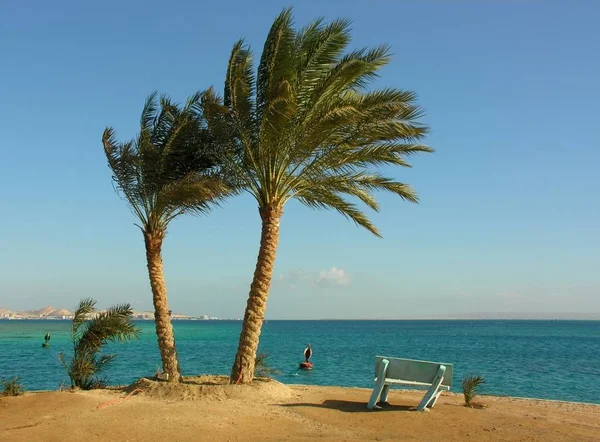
column 351, row 73
column 114, row 325
column 102, row 362
column 276, row 62
column 318, row 133
column 91, row 331
column 173, row 144
column 319, row 48
column 149, row 112
column 82, row 313
column 239, row 87
column 324, row 199
column 194, row 193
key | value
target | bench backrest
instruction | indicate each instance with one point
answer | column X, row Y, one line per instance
column 413, row 370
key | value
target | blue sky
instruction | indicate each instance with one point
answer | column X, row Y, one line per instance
column 509, row 213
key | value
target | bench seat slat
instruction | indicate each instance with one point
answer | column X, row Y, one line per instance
column 419, row 384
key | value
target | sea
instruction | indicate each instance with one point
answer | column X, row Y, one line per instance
column 557, row 360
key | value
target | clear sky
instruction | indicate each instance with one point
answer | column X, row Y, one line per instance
column 509, row 219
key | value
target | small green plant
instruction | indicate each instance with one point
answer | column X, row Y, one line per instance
column 262, row 368
column 12, row 387
column 470, row 384
column 90, row 332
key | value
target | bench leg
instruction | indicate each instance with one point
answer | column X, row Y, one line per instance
column 434, row 400
column 432, row 394
column 379, row 385
column 375, row 395
column 385, row 393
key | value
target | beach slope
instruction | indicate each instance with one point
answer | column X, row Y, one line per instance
column 295, row 413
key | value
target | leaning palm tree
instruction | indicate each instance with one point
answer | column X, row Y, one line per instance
column 308, row 129
column 166, row 171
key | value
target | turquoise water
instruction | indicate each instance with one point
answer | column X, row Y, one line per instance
column 541, row 359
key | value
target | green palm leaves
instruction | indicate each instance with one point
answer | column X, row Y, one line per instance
column 306, row 127
column 470, row 386
column 90, row 332
column 169, row 168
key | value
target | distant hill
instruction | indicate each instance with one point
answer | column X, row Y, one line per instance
column 63, row 313
column 45, row 312
column 41, row 312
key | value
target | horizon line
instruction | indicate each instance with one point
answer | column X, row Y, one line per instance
column 595, row 318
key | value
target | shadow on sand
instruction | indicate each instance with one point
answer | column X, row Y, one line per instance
column 352, row 406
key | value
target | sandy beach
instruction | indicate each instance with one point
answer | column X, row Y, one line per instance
column 204, row 410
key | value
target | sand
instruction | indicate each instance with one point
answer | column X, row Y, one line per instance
column 204, row 409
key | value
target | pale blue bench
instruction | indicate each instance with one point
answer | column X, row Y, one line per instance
column 394, row 371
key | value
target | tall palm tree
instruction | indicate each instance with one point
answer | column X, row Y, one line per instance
column 308, row 129
column 167, row 170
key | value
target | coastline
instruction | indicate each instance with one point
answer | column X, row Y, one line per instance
column 367, row 390
column 291, row 412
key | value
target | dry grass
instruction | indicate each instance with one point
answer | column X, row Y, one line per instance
column 12, row 387
column 262, row 367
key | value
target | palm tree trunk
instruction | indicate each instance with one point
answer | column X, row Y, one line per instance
column 162, row 314
column 243, row 367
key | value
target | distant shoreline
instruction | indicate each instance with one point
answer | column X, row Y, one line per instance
column 591, row 319
column 135, row 319
column 51, row 313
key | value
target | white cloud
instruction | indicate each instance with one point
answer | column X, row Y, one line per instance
column 302, row 279
column 333, row 277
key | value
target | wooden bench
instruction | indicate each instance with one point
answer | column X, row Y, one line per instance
column 394, row 371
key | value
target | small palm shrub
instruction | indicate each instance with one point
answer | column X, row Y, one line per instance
column 262, row 367
column 90, row 332
column 470, row 384
column 12, row 387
